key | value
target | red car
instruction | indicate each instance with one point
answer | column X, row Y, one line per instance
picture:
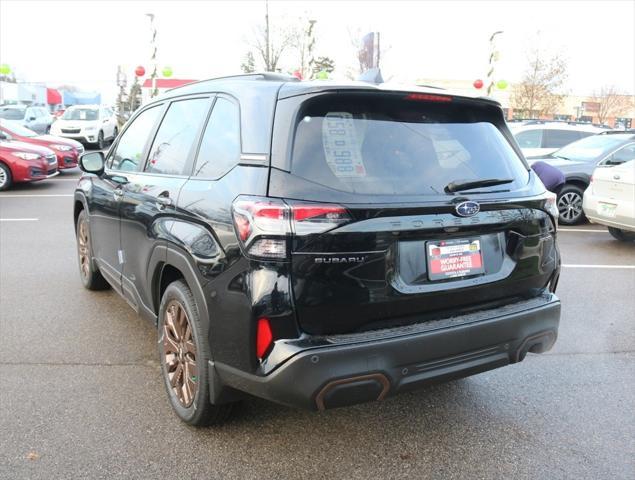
column 66, row 150
column 25, row 162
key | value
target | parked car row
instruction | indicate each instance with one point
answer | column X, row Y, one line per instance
column 537, row 139
column 34, row 118
column 90, row 124
column 579, row 160
column 26, row 156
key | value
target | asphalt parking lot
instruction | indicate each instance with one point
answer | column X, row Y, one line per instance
column 81, row 394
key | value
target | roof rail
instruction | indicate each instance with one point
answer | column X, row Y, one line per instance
column 267, row 76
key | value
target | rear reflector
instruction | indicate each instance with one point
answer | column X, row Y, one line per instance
column 264, row 337
column 426, row 97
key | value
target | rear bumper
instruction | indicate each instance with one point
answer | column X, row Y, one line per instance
column 623, row 218
column 340, row 375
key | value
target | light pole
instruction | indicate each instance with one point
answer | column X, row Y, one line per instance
column 493, row 58
column 153, row 59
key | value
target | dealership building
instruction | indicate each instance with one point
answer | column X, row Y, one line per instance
column 573, row 107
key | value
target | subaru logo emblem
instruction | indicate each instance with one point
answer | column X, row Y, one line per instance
column 467, row 209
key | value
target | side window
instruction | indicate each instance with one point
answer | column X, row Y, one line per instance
column 130, row 147
column 624, row 154
column 529, row 138
column 559, row 138
column 175, row 138
column 220, row 147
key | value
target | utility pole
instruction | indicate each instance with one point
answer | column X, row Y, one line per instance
column 267, row 58
column 153, row 45
column 493, row 58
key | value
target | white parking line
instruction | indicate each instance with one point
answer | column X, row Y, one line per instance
column 32, row 195
column 581, row 230
column 19, row 219
column 625, row 267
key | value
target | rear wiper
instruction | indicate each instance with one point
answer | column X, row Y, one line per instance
column 457, row 186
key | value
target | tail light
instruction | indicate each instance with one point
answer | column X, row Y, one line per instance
column 551, row 205
column 264, row 225
column 264, row 337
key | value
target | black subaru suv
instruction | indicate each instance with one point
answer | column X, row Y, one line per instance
column 320, row 244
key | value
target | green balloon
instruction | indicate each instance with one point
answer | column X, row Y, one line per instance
column 5, row 69
column 501, row 85
column 322, row 75
column 167, row 72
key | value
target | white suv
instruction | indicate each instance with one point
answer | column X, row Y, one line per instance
column 537, row 139
column 91, row 124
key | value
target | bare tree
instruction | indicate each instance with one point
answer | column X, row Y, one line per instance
column 538, row 92
column 304, row 43
column 249, row 63
column 270, row 42
column 322, row 63
column 611, row 102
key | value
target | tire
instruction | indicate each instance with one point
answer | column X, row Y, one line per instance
column 88, row 272
column 184, row 354
column 622, row 235
column 100, row 141
column 6, row 179
column 570, row 205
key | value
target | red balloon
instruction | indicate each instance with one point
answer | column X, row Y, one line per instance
column 478, row 83
column 140, row 71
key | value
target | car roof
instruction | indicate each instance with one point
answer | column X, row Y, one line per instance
column 258, row 93
column 288, row 86
column 555, row 126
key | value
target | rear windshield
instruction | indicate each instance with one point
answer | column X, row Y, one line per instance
column 389, row 146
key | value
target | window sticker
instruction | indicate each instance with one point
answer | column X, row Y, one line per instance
column 341, row 146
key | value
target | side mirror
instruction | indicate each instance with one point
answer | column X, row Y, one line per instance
column 92, row 162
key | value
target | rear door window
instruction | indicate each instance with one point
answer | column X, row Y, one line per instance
column 174, row 141
column 387, row 146
column 220, row 147
column 529, row 138
column 559, row 138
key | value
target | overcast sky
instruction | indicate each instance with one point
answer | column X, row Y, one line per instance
column 82, row 42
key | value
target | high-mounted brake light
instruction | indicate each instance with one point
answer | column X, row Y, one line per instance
column 263, row 225
column 427, row 97
column 264, row 337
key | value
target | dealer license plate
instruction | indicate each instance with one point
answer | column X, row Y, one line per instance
column 607, row 209
column 454, row 258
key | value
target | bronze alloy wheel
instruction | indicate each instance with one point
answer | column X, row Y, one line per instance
column 179, row 351
column 82, row 246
